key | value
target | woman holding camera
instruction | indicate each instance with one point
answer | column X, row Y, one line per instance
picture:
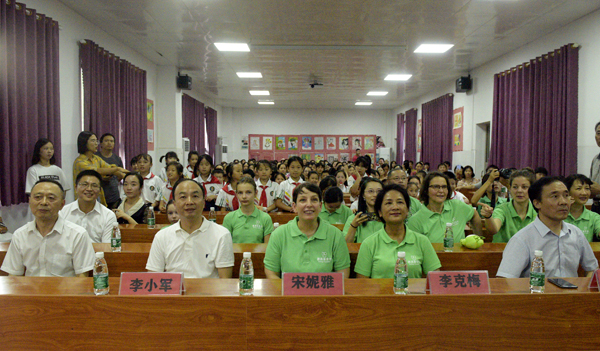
column 366, row 222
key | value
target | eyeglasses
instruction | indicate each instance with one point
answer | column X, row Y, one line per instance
column 373, row 191
column 399, row 178
column 439, row 187
column 85, row 185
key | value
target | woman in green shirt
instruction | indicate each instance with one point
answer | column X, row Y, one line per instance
column 579, row 216
column 507, row 219
column 366, row 222
column 248, row 224
column 378, row 253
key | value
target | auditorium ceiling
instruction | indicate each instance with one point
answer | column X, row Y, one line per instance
column 349, row 46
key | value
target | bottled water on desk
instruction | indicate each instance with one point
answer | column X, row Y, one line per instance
column 537, row 274
column 100, row 275
column 401, row 275
column 115, row 240
column 448, row 238
column 247, row 275
column 212, row 215
column 150, row 218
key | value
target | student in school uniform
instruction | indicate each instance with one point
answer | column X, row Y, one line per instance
column 188, row 171
column 284, row 201
column 342, row 182
column 169, row 157
column 226, row 199
column 211, row 183
column 43, row 167
column 268, row 190
column 218, row 176
column 152, row 183
column 248, row 224
column 279, row 178
column 174, row 173
column 334, row 210
column 455, row 194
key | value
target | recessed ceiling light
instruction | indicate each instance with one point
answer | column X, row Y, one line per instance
column 266, row 102
column 433, row 48
column 377, row 93
column 232, row 46
column 259, row 92
column 363, row 103
column 249, row 74
column 398, row 77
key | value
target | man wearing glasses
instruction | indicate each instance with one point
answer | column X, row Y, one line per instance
column 87, row 212
column 49, row 245
column 399, row 176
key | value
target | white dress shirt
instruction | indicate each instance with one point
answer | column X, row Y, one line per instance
column 98, row 223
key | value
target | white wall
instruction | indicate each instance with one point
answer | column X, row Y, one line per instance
column 242, row 122
column 478, row 102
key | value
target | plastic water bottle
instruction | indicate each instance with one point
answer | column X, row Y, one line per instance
column 247, row 275
column 100, row 275
column 448, row 238
column 537, row 274
column 151, row 218
column 212, row 215
column 275, row 225
column 401, row 275
column 115, row 240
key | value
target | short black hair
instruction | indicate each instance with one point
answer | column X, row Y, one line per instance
column 181, row 180
column 535, row 190
column 88, row 172
column 249, row 172
column 450, row 175
column 327, row 182
column 82, row 140
column 570, row 180
column 308, row 186
column 364, row 161
column 386, row 189
column 541, row 170
column 62, row 190
column 333, row 195
column 105, row 135
column 294, row 159
column 137, row 175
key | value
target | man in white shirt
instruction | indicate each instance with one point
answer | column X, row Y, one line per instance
column 195, row 246
column 49, row 245
column 87, row 212
column 564, row 246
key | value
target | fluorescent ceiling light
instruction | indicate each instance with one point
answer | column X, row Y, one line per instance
column 249, row 74
column 433, row 48
column 363, row 103
column 266, row 103
column 232, row 46
column 259, row 92
column 377, row 93
column 402, row 77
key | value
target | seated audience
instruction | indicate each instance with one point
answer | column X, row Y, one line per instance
column 172, row 214
column 492, row 198
column 455, row 195
column 378, row 253
column 248, row 224
column 174, row 173
column 42, row 166
column 587, row 221
column 365, row 223
column 540, row 172
column 398, row 176
column 361, row 165
column 469, row 180
column 313, row 177
column 268, row 190
column 211, row 180
column 152, row 183
column 133, row 208
column 307, row 243
column 341, row 179
column 279, row 178
column 334, row 210
column 188, row 171
column 564, row 246
column 49, row 245
column 169, row 157
column 87, row 212
column 226, row 200
column 195, row 246
column 439, row 209
column 286, row 188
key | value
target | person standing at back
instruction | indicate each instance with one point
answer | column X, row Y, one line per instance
column 110, row 186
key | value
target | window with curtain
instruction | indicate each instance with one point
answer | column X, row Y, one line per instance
column 535, row 112
column 193, row 122
column 437, row 130
column 29, row 93
column 114, row 99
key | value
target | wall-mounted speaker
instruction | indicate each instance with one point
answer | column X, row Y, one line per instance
column 463, row 84
column 184, row 82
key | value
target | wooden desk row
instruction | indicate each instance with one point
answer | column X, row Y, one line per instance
column 277, row 217
column 63, row 313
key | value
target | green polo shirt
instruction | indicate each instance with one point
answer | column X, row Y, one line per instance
column 433, row 225
column 588, row 222
column 339, row 216
column 248, row 229
column 486, row 200
column 415, row 206
column 363, row 231
column 511, row 222
column 378, row 253
column 289, row 250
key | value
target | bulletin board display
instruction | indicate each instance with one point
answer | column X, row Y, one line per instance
column 317, row 147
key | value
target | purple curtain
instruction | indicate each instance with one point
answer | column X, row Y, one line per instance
column 410, row 149
column 437, row 130
column 211, row 130
column 535, row 111
column 114, row 95
column 29, row 93
column 399, row 138
column 193, row 123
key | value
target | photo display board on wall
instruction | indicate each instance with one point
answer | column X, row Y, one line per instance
column 317, row 147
